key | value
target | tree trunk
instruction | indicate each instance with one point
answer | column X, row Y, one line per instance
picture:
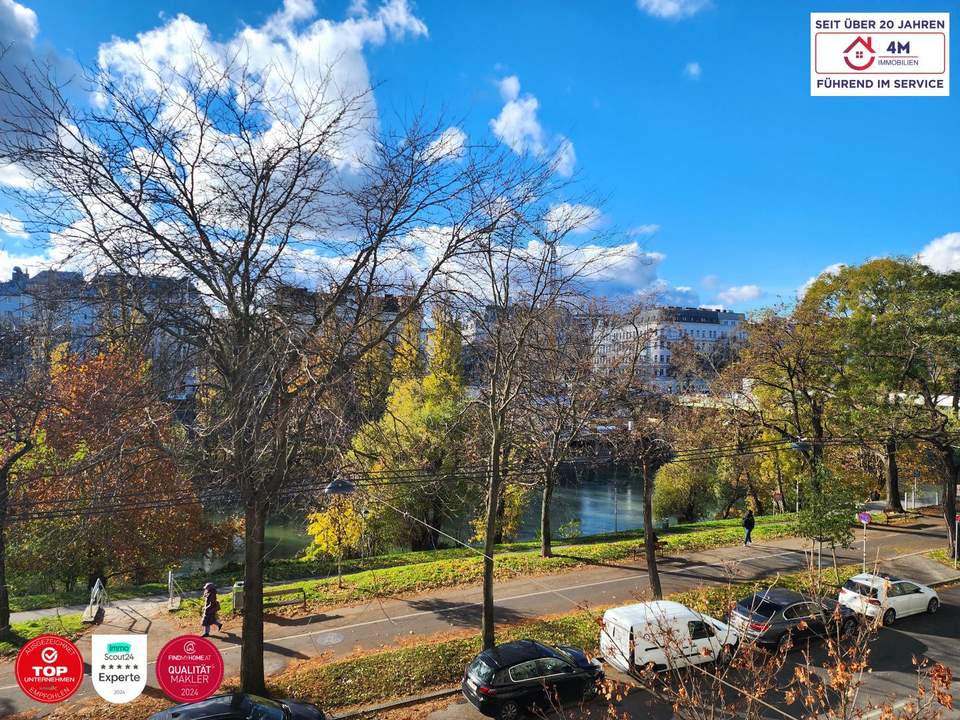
column 892, row 477
column 951, row 476
column 545, row 532
column 251, row 651
column 4, row 595
column 754, row 495
column 649, row 536
column 489, row 542
column 782, row 501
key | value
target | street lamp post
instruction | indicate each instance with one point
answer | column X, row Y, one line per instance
column 801, row 445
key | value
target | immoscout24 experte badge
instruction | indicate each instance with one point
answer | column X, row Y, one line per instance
column 119, row 666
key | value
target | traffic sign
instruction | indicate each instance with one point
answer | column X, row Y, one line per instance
column 864, row 517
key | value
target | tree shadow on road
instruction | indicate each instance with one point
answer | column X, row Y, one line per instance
column 464, row 615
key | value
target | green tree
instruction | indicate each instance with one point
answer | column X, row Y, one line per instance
column 685, row 490
column 337, row 531
column 421, row 429
column 406, row 352
column 829, row 512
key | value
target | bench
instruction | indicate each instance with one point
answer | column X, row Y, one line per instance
column 640, row 550
column 275, row 598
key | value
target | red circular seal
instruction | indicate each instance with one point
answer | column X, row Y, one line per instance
column 49, row 668
column 189, row 668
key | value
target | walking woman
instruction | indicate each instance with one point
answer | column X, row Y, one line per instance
column 211, row 609
column 748, row 523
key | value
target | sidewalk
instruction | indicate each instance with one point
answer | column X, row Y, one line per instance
column 384, row 622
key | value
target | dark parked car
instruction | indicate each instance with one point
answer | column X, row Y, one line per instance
column 240, row 706
column 516, row 677
column 773, row 617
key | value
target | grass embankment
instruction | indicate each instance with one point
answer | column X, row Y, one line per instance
column 448, row 568
column 297, row 569
column 66, row 625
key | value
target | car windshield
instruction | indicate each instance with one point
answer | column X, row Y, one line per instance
column 860, row 588
column 564, row 654
column 480, row 671
column 758, row 606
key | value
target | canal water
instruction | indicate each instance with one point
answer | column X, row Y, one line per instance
column 605, row 503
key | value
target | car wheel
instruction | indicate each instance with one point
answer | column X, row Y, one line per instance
column 509, row 711
column 784, row 643
column 933, row 606
column 848, row 628
column 725, row 655
column 889, row 617
column 591, row 690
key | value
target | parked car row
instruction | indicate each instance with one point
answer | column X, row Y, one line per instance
column 527, row 676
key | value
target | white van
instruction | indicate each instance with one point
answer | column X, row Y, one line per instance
column 664, row 635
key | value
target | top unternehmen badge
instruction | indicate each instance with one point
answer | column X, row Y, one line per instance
column 880, row 54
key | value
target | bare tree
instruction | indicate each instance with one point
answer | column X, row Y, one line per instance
column 581, row 366
column 510, row 289
column 242, row 183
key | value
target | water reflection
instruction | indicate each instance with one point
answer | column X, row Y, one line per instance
column 607, row 503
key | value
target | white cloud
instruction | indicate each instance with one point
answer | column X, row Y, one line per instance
column 710, row 282
column 9, row 225
column 14, row 176
column 293, row 54
column 565, row 158
column 739, row 294
column 18, row 20
column 517, row 125
column 942, row 255
column 828, row 270
column 28, row 263
column 509, row 88
column 713, row 306
column 449, row 146
column 693, row 70
column 672, row 9
column 519, row 128
column 648, row 229
column 573, row 218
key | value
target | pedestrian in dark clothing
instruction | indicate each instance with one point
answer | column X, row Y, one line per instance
column 748, row 523
column 211, row 609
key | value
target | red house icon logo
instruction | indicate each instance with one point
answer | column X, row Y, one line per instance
column 859, row 54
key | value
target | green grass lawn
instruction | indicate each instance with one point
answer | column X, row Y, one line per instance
column 38, row 601
column 67, row 625
column 447, row 568
column 570, row 552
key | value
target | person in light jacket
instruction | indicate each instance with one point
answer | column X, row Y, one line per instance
column 211, row 609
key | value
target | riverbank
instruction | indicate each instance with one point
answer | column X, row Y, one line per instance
column 433, row 570
column 278, row 571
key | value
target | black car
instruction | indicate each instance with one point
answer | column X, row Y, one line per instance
column 240, row 706
column 774, row 617
column 520, row 676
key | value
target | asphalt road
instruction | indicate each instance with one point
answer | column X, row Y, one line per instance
column 384, row 622
column 892, row 677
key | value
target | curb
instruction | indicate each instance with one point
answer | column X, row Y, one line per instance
column 948, row 581
column 372, row 710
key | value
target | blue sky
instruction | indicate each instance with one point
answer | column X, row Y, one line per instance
column 688, row 115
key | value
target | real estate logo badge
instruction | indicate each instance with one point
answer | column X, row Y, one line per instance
column 119, row 666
